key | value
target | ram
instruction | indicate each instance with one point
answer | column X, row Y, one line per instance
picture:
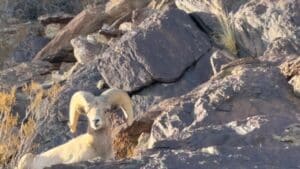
column 97, row 142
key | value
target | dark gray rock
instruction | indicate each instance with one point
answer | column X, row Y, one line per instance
column 160, row 49
column 258, row 25
column 31, row 9
column 205, row 11
column 26, row 50
column 85, row 51
column 279, row 50
column 193, row 77
column 23, row 73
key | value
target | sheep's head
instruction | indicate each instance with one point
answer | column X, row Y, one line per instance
column 97, row 115
column 96, row 107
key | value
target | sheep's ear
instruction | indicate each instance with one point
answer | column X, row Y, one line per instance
column 117, row 97
column 80, row 102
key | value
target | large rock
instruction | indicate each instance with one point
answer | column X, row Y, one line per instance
column 259, row 23
column 291, row 70
column 192, row 77
column 85, row 51
column 160, row 49
column 26, row 50
column 281, row 47
column 244, row 117
column 205, row 12
column 31, row 9
column 256, row 23
column 87, row 21
column 24, row 73
column 13, row 39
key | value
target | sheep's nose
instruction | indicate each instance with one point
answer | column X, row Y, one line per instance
column 96, row 122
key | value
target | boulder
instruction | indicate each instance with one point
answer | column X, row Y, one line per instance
column 24, row 73
column 26, row 50
column 160, row 49
column 205, row 12
column 195, row 75
column 87, row 21
column 259, row 23
column 85, row 51
column 14, row 38
column 32, row 9
column 281, row 47
column 291, row 70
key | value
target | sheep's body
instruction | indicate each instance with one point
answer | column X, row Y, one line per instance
column 97, row 142
column 81, row 148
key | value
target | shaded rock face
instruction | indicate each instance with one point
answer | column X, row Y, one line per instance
column 85, row 22
column 199, row 73
column 18, row 39
column 160, row 49
column 26, row 50
column 31, row 9
column 257, row 23
column 24, row 73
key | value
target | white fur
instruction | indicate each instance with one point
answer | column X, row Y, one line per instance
column 96, row 143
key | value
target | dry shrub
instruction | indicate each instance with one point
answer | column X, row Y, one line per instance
column 37, row 94
column 32, row 88
column 54, row 91
column 226, row 36
column 126, row 140
column 7, row 100
column 37, row 100
column 13, row 135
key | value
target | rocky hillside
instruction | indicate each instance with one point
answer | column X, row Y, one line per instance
column 214, row 83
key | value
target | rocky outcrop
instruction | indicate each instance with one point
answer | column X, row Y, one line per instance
column 291, row 70
column 153, row 51
column 195, row 104
column 13, row 39
column 227, row 122
column 88, row 21
column 32, row 9
column 24, row 73
column 257, row 24
column 86, row 51
column 26, row 50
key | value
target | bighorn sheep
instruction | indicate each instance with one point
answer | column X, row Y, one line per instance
column 97, row 142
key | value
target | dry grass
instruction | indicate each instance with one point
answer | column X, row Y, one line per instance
column 54, row 91
column 226, row 36
column 13, row 135
column 7, row 100
column 32, row 88
column 37, row 94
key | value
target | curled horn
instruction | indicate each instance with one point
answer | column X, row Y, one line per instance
column 119, row 98
column 80, row 103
